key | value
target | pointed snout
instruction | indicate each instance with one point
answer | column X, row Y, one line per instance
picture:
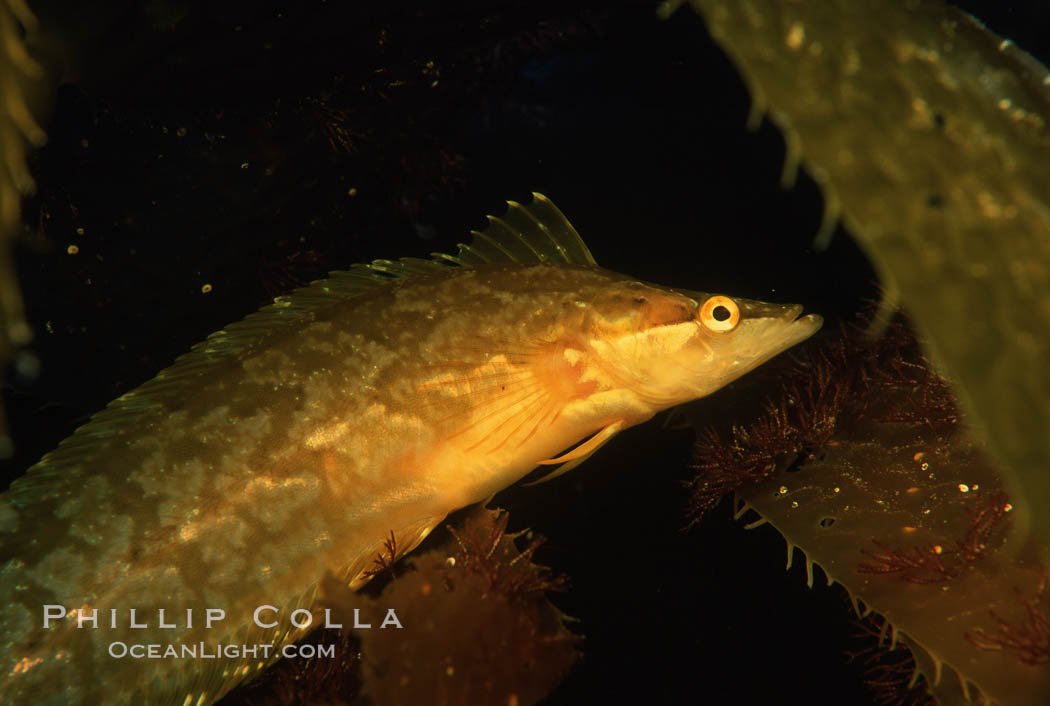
column 801, row 327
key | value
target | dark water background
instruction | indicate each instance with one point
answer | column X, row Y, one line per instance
column 204, row 148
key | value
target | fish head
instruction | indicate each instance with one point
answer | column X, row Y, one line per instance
column 667, row 346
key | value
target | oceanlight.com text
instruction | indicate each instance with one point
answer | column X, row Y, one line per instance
column 200, row 650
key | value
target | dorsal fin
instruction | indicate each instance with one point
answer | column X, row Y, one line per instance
column 535, row 232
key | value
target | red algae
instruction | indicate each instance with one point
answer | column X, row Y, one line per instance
column 477, row 628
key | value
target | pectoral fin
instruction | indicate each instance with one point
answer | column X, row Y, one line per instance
column 581, row 453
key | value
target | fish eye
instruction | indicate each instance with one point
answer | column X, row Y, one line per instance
column 720, row 314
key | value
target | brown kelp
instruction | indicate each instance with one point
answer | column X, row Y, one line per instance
column 865, row 465
column 928, row 136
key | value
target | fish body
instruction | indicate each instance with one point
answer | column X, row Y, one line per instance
column 285, row 449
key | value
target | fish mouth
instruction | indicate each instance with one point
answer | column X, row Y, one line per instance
column 800, row 326
column 794, row 314
column 803, row 326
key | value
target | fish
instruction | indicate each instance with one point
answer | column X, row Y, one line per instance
column 283, row 451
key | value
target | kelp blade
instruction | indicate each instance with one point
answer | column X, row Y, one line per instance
column 928, row 135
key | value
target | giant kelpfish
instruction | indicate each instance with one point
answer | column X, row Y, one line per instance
column 283, row 450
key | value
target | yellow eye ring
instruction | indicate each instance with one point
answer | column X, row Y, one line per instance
column 720, row 314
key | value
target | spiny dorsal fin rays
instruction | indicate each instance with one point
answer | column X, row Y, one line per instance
column 510, row 239
column 560, row 231
column 484, row 248
column 534, row 232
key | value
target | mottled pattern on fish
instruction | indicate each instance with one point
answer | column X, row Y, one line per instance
column 289, row 446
